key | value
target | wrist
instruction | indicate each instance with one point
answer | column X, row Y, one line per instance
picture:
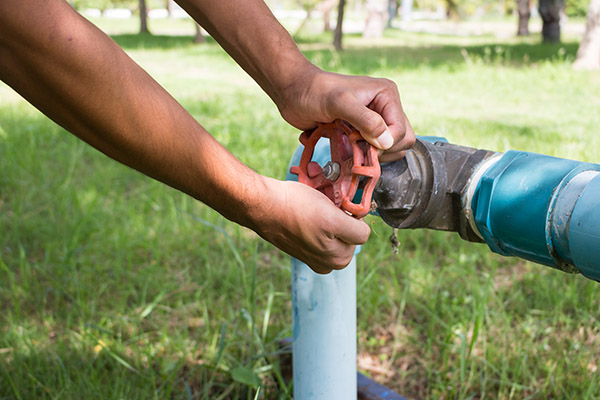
column 262, row 203
column 252, row 202
column 291, row 89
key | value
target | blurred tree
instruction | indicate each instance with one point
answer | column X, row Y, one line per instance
column 143, row 17
column 452, row 9
column 524, row 11
column 550, row 13
column 406, row 9
column 170, row 7
column 392, row 11
column 308, row 6
column 376, row 18
column 199, row 37
column 326, row 7
column 337, row 35
column 588, row 55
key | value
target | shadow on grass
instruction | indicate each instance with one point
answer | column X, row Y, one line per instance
column 69, row 371
column 364, row 59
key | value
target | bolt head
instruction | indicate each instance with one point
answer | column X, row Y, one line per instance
column 331, row 171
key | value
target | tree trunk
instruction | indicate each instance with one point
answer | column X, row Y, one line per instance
column 452, row 9
column 326, row 7
column 170, row 8
column 326, row 23
column 588, row 55
column 550, row 13
column 143, row 17
column 524, row 10
column 199, row 37
column 406, row 9
column 337, row 35
column 392, row 11
column 376, row 18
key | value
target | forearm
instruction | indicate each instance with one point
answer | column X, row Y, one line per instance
column 303, row 93
column 80, row 78
column 249, row 32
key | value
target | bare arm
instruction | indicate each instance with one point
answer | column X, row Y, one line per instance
column 81, row 79
column 304, row 94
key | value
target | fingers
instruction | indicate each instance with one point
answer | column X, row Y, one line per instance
column 369, row 123
column 344, row 232
column 397, row 151
column 309, row 227
column 387, row 103
column 341, row 259
column 394, row 139
column 373, row 107
column 353, row 231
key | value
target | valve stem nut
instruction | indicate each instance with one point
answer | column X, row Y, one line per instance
column 331, row 171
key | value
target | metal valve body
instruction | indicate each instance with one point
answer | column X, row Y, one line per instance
column 425, row 189
column 540, row 208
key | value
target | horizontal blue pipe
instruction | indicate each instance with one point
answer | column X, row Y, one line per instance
column 584, row 231
column 368, row 389
column 543, row 209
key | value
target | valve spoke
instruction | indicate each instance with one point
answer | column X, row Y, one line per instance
column 351, row 158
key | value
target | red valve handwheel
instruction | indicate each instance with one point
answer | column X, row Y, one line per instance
column 352, row 154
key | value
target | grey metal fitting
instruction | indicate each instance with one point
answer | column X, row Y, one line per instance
column 426, row 189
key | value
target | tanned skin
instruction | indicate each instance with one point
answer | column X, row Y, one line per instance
column 80, row 78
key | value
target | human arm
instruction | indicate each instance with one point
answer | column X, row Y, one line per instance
column 81, row 79
column 304, row 94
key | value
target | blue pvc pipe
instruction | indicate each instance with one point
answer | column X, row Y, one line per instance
column 584, row 231
column 324, row 333
column 324, row 321
column 543, row 209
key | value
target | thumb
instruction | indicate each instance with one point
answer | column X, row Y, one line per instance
column 369, row 123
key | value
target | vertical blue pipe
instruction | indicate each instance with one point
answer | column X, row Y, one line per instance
column 324, row 322
column 324, row 333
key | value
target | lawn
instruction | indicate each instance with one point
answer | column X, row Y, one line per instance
column 115, row 286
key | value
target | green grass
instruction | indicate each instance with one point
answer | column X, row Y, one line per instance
column 115, row 286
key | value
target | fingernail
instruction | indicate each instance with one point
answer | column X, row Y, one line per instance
column 385, row 140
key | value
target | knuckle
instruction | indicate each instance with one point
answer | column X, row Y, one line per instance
column 390, row 83
column 365, row 235
column 337, row 99
column 329, row 224
column 362, row 240
column 342, row 261
column 322, row 270
column 408, row 141
column 320, row 265
column 371, row 122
